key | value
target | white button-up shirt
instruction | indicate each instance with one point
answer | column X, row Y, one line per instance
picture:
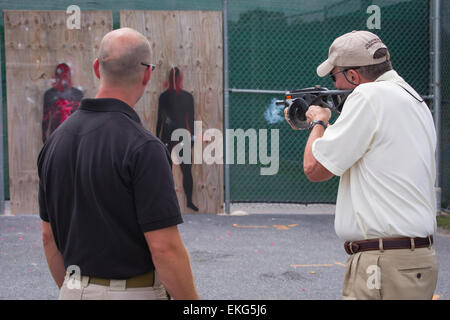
column 383, row 148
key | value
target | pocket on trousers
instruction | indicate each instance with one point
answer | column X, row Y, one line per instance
column 415, row 269
column 418, row 278
column 409, row 278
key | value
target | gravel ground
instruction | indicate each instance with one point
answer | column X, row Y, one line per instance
column 256, row 256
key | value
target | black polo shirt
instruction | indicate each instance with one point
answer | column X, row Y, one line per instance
column 103, row 181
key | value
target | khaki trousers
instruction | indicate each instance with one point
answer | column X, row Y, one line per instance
column 80, row 289
column 400, row 274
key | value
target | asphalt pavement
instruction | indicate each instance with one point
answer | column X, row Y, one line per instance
column 249, row 257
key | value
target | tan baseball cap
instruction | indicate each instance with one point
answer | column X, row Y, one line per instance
column 353, row 49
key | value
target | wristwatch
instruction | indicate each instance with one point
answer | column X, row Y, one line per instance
column 313, row 123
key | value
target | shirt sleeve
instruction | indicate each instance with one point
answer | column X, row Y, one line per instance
column 349, row 138
column 155, row 198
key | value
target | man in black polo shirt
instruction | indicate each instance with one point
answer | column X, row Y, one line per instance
column 106, row 192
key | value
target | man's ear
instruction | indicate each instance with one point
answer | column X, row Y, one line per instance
column 147, row 76
column 355, row 77
column 96, row 67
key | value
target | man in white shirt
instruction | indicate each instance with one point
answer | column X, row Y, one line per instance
column 383, row 148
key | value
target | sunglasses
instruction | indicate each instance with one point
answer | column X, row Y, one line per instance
column 149, row 65
column 333, row 77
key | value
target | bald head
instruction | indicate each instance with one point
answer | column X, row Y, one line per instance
column 120, row 55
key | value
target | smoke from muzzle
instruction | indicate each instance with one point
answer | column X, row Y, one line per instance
column 274, row 113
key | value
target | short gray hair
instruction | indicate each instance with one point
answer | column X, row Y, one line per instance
column 372, row 72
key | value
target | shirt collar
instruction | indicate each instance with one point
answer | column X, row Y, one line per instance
column 390, row 75
column 109, row 105
column 394, row 77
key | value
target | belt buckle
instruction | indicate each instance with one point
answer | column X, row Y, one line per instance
column 356, row 247
column 350, row 247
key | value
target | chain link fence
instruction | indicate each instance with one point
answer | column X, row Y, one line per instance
column 277, row 45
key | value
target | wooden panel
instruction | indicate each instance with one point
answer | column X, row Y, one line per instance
column 191, row 40
column 35, row 43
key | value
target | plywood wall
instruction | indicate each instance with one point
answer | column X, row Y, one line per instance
column 35, row 43
column 191, row 40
